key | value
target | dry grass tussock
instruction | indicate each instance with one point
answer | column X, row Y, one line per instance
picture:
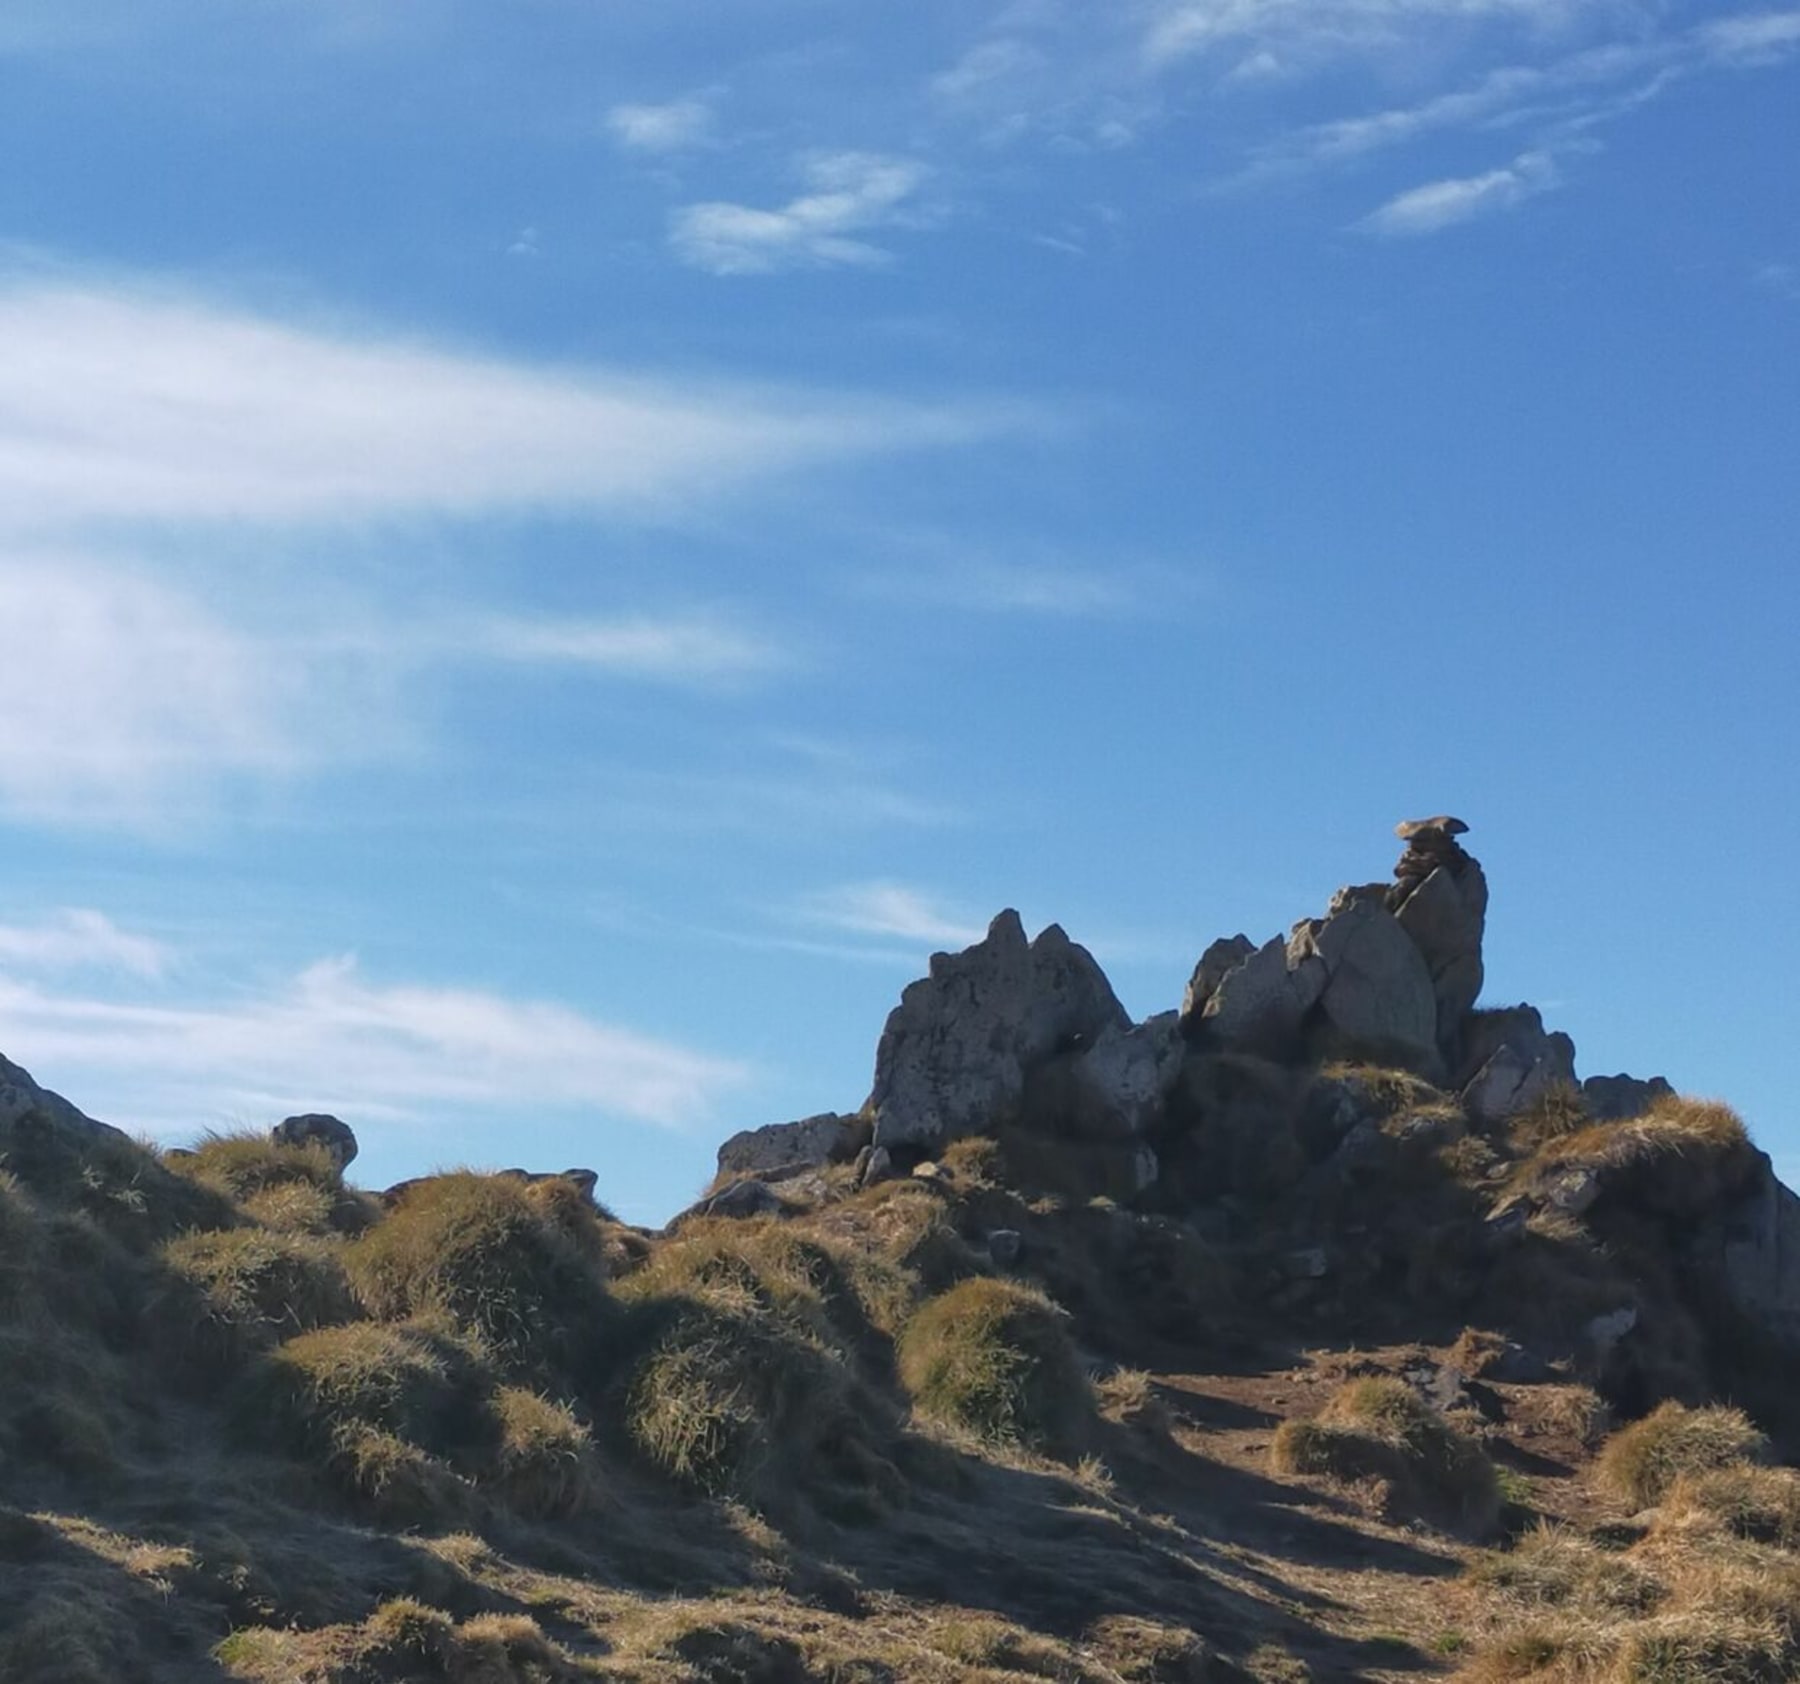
column 843, row 1298
column 1709, row 1592
column 406, row 1642
column 297, row 1188
column 255, row 1425
column 1682, row 1154
column 994, row 1359
column 1642, row 1462
column 1558, row 1113
column 1380, row 1430
column 234, row 1290
column 484, row 1252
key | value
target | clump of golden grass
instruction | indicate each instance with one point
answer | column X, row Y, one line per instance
column 545, row 1463
column 993, row 1358
column 403, row 1642
column 1379, row 1429
column 1557, row 1113
column 1681, row 1154
column 244, row 1163
column 390, row 1410
column 1142, row 1651
column 413, row 1380
column 1644, row 1460
column 1556, row 1567
column 738, row 1404
column 481, row 1250
column 249, row 1287
column 839, row 1297
column 910, row 1223
column 293, row 1188
column 1758, row 1504
column 1710, row 1596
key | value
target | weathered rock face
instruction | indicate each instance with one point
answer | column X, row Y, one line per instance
column 24, row 1103
column 1509, row 1060
column 953, row 1058
column 1113, row 1090
column 1260, row 1003
column 1758, row 1246
column 315, row 1128
column 1377, row 992
column 1612, row 1099
column 1439, row 899
column 781, row 1149
column 1216, row 963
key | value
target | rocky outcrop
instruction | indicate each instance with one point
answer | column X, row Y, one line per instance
column 1613, row 1099
column 1258, row 1005
column 783, row 1149
column 315, row 1128
column 1216, row 963
column 584, row 1181
column 1509, row 1061
column 25, row 1105
column 1114, row 1090
column 1377, row 992
column 1439, row 899
column 955, row 1053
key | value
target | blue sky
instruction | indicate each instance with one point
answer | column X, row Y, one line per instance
column 550, row 554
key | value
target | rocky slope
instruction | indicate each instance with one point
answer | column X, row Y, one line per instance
column 1275, row 1337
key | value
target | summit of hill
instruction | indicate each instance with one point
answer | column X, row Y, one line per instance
column 1328, row 1325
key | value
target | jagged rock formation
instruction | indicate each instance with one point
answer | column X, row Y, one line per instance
column 1245, row 1115
column 1439, row 899
column 955, row 1052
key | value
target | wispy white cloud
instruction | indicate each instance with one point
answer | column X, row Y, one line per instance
column 126, row 699
column 849, row 195
column 329, row 1039
column 1442, row 204
column 678, row 649
column 1325, row 27
column 890, row 910
column 1753, row 38
column 987, row 65
column 80, row 939
column 120, row 696
column 670, row 127
column 1053, row 590
column 120, row 404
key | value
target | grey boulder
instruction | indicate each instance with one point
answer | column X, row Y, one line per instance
column 1513, row 1061
column 315, row 1128
column 1378, row 991
column 779, row 1149
column 1260, row 1003
column 954, row 1055
column 1613, row 1099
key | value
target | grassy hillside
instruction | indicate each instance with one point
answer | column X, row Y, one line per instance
column 258, row 1425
